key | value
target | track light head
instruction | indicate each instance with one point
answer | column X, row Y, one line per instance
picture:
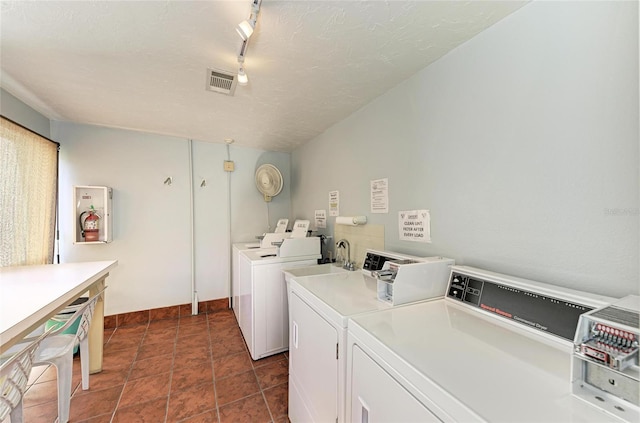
column 245, row 29
column 243, row 79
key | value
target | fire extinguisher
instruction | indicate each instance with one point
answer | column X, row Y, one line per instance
column 89, row 228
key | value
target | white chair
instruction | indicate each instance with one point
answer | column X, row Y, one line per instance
column 57, row 349
column 14, row 375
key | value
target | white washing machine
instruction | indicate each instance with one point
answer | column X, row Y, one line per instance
column 320, row 307
column 263, row 309
column 263, row 242
column 495, row 349
column 235, row 278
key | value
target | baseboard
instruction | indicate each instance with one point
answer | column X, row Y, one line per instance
column 172, row 312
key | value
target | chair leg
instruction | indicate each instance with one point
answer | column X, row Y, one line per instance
column 84, row 362
column 16, row 413
column 64, row 366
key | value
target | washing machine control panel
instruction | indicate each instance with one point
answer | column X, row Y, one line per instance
column 529, row 308
column 374, row 261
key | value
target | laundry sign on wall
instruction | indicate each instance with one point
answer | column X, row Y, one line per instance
column 380, row 195
column 334, row 203
column 321, row 219
column 414, row 225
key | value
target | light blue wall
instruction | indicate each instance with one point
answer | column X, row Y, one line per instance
column 522, row 142
column 249, row 211
column 152, row 237
column 17, row 111
column 151, row 221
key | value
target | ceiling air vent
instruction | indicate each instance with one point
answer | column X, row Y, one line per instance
column 221, row 81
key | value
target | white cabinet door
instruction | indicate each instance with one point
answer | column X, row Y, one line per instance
column 313, row 364
column 377, row 397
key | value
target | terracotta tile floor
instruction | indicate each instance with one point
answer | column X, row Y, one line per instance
column 192, row 369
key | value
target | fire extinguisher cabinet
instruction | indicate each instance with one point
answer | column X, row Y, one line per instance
column 93, row 214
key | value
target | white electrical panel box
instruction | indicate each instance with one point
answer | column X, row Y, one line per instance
column 92, row 214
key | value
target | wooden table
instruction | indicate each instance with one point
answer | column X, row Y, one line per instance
column 31, row 295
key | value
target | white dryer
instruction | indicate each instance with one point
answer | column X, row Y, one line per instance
column 320, row 307
column 495, row 349
column 263, row 308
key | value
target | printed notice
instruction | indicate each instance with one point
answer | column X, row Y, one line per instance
column 321, row 219
column 380, row 196
column 414, row 225
column 334, row 203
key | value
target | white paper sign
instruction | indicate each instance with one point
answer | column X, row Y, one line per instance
column 414, row 225
column 334, row 203
column 321, row 219
column 380, row 196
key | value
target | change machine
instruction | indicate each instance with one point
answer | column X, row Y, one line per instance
column 92, row 214
column 605, row 369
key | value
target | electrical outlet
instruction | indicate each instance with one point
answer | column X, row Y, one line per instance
column 229, row 166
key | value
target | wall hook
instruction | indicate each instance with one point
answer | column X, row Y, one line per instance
column 203, row 183
column 168, row 181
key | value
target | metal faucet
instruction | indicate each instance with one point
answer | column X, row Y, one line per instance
column 348, row 264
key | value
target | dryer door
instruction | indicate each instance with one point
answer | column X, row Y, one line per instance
column 377, row 397
column 313, row 365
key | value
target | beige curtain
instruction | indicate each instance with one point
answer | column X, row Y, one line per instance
column 28, row 191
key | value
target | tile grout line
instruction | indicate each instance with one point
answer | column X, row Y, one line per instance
column 213, row 371
column 208, row 326
column 126, row 380
column 173, row 362
column 264, row 397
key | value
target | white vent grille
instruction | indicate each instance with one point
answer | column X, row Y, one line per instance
column 221, row 81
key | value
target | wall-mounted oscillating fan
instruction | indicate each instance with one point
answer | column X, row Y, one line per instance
column 268, row 181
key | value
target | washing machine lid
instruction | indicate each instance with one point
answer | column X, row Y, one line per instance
column 314, row 270
column 339, row 295
column 468, row 365
column 247, row 245
column 270, row 255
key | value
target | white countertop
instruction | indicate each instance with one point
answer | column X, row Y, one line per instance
column 29, row 294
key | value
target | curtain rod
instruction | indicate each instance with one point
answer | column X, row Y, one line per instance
column 33, row 132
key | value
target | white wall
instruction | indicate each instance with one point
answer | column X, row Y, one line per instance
column 523, row 143
column 17, row 111
column 151, row 221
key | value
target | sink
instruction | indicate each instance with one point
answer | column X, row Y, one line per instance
column 321, row 269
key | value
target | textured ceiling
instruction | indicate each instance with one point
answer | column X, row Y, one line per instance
column 142, row 64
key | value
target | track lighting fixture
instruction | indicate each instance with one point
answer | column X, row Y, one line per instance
column 245, row 29
column 243, row 50
column 243, row 79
